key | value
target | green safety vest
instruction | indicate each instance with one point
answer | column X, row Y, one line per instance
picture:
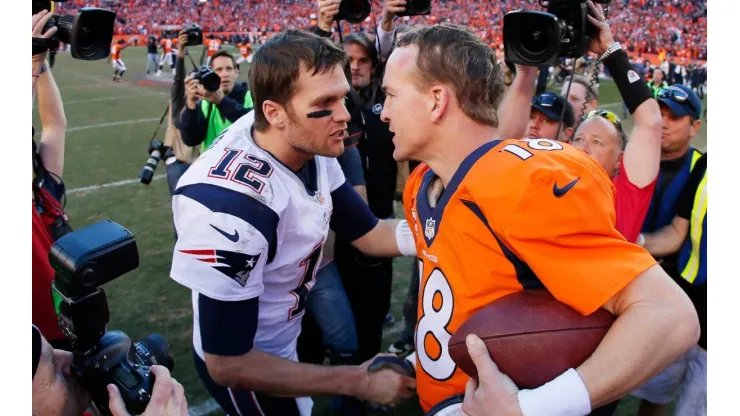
column 692, row 262
column 216, row 122
column 656, row 88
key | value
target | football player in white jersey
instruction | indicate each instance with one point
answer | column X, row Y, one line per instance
column 252, row 214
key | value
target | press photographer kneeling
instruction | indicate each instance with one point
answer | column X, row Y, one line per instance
column 214, row 100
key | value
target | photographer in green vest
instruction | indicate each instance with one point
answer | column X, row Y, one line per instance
column 208, row 113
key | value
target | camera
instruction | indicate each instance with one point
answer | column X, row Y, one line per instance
column 157, row 149
column 83, row 261
column 356, row 11
column 209, row 79
column 195, row 35
column 89, row 33
column 537, row 38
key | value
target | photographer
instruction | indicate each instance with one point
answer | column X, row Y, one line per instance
column 208, row 113
column 56, row 391
column 179, row 155
column 367, row 280
column 48, row 219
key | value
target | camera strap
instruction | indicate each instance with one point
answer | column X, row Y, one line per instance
column 161, row 120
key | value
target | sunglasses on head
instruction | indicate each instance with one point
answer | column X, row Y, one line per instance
column 678, row 95
column 546, row 100
column 611, row 117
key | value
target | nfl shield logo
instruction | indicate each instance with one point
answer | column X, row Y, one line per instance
column 429, row 229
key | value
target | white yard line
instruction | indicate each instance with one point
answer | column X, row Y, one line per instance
column 99, row 99
column 205, row 408
column 114, row 123
column 111, row 185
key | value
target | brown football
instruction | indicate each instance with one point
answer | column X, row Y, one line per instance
column 532, row 337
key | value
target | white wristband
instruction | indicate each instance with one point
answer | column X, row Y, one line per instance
column 405, row 239
column 564, row 396
column 411, row 358
column 641, row 240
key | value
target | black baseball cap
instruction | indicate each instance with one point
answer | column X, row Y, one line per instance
column 681, row 100
column 551, row 105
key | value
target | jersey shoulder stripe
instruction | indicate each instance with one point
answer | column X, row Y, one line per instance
column 237, row 204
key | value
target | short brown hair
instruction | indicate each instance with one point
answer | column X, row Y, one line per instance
column 277, row 65
column 456, row 56
column 223, row 53
column 592, row 91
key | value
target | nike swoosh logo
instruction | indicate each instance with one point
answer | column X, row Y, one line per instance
column 232, row 237
column 559, row 192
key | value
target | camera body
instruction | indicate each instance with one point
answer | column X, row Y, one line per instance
column 536, row 38
column 356, row 11
column 89, row 33
column 83, row 261
column 195, row 35
column 209, row 79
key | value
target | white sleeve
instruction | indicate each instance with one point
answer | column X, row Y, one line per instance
column 384, row 41
column 336, row 176
column 224, row 240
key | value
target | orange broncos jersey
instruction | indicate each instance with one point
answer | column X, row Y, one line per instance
column 517, row 215
column 167, row 45
column 213, row 46
column 244, row 49
column 115, row 52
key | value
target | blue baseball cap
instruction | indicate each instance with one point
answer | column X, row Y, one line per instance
column 551, row 105
column 681, row 100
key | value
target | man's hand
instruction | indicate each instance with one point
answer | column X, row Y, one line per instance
column 494, row 393
column 79, row 398
column 599, row 43
column 168, row 397
column 191, row 91
column 214, row 97
column 327, row 10
column 38, row 21
column 182, row 40
column 391, row 8
column 385, row 387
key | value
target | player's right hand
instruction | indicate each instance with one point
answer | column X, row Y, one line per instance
column 386, row 386
column 168, row 397
column 327, row 10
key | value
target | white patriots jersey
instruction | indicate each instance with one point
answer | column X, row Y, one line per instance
column 248, row 227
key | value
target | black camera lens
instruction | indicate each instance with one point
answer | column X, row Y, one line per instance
column 153, row 350
column 353, row 11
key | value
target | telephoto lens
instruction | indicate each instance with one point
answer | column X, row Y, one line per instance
column 156, row 149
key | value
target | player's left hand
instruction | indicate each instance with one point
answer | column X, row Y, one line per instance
column 214, row 98
column 494, row 393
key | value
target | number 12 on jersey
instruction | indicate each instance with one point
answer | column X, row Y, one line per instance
column 432, row 335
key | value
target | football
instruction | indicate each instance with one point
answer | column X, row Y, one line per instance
column 532, row 337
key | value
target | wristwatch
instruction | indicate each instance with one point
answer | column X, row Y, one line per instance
column 610, row 50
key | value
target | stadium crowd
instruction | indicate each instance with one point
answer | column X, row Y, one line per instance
column 674, row 27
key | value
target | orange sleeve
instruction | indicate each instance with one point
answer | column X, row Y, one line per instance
column 571, row 242
column 409, row 190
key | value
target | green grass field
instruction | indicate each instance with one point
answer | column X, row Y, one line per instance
column 109, row 127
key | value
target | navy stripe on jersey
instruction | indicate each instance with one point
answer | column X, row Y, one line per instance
column 352, row 217
column 237, row 204
column 433, row 216
column 524, row 273
column 227, row 328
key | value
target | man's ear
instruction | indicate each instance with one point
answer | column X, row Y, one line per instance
column 439, row 101
column 695, row 126
column 274, row 113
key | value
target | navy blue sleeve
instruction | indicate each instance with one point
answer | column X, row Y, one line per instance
column 193, row 126
column 231, row 110
column 227, row 328
column 352, row 217
column 352, row 166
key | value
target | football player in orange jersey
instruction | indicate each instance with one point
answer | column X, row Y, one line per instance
column 492, row 217
column 167, row 57
column 245, row 48
column 119, row 67
column 213, row 45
